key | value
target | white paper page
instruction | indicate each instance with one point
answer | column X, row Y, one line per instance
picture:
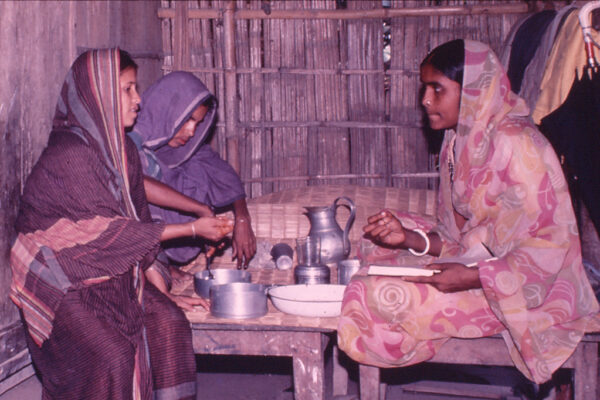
column 400, row 270
column 418, row 270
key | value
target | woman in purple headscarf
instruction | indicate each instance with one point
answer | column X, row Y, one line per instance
column 171, row 132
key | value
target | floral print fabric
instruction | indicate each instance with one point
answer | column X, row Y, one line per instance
column 508, row 185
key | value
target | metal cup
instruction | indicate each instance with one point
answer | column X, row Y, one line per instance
column 282, row 254
column 345, row 270
column 308, row 250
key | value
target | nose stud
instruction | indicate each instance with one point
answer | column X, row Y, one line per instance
column 427, row 103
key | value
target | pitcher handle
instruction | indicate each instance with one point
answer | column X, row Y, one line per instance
column 348, row 223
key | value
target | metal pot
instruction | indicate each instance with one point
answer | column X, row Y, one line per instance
column 203, row 283
column 238, row 300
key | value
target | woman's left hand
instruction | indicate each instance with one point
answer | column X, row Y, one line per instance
column 453, row 277
column 244, row 242
column 188, row 303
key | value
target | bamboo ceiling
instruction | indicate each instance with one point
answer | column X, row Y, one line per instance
column 306, row 93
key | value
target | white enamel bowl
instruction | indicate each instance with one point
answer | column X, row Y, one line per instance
column 308, row 300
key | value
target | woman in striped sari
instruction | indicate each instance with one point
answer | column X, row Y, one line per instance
column 99, row 321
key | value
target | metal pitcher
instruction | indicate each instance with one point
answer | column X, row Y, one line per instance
column 335, row 244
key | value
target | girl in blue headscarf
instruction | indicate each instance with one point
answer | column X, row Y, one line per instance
column 171, row 132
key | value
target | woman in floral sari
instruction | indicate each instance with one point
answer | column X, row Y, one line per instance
column 504, row 206
column 86, row 245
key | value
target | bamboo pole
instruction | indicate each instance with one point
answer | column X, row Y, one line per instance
column 323, row 124
column 304, row 71
column 413, row 175
column 231, row 116
column 357, row 14
column 181, row 45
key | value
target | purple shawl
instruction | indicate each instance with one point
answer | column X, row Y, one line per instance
column 193, row 169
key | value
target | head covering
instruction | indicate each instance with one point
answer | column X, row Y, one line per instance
column 486, row 103
column 165, row 107
column 89, row 106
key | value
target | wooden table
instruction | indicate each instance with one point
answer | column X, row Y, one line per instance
column 274, row 334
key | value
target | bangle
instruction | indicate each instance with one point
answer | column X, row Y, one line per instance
column 427, row 244
column 193, row 231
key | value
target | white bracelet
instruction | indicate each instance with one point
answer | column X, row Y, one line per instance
column 427, row 244
column 193, row 231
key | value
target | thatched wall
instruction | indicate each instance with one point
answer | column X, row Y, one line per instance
column 306, row 96
column 38, row 42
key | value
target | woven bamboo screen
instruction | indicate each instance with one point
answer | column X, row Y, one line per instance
column 307, row 96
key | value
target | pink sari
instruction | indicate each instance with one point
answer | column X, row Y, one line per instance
column 509, row 186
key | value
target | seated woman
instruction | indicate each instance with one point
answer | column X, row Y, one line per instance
column 175, row 121
column 86, row 245
column 503, row 205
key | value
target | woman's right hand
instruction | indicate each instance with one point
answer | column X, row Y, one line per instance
column 203, row 210
column 213, row 228
column 385, row 228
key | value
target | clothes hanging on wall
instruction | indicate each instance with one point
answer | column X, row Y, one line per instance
column 566, row 61
column 526, row 41
column 573, row 131
column 532, row 70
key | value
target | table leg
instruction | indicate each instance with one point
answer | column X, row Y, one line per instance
column 309, row 369
column 340, row 374
column 369, row 382
column 586, row 371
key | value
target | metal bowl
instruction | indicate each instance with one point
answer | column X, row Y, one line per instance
column 202, row 282
column 308, row 300
column 238, row 300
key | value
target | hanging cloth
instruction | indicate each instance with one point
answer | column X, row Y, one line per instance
column 573, row 130
column 567, row 60
column 526, row 41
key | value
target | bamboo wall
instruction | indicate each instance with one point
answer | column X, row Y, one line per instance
column 306, row 97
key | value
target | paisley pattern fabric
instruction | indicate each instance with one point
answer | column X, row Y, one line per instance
column 508, row 185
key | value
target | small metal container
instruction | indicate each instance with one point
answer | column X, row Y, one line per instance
column 345, row 270
column 238, row 300
column 282, row 254
column 313, row 274
column 202, row 282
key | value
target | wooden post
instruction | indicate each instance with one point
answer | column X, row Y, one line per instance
column 181, row 37
column 231, row 115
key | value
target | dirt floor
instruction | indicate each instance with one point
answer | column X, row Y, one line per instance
column 270, row 378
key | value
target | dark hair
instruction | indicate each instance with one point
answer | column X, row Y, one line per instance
column 449, row 59
column 126, row 61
